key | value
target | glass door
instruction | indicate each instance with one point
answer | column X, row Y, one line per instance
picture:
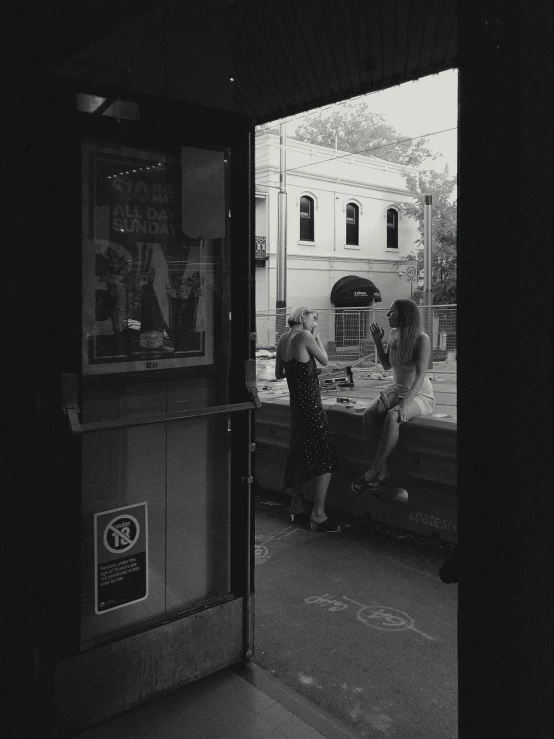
column 157, row 385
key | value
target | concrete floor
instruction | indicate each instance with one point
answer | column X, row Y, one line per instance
column 241, row 702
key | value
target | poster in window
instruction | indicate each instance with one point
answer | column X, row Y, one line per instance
column 148, row 280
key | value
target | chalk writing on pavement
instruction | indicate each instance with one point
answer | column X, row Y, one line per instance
column 261, row 552
column 382, row 618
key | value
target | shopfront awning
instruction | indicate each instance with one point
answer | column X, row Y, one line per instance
column 355, row 290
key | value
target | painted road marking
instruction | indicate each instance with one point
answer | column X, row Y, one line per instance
column 278, row 535
column 382, row 618
column 261, row 552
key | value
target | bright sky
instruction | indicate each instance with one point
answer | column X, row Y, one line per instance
column 415, row 108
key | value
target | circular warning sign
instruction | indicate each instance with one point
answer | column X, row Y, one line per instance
column 411, row 273
column 121, row 534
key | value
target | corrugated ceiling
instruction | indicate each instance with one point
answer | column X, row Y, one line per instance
column 288, row 56
column 293, row 56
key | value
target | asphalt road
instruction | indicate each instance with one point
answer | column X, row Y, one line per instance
column 359, row 623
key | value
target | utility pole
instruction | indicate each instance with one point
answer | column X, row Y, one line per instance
column 427, row 276
column 281, row 298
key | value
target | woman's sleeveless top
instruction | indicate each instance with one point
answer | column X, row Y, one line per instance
column 404, row 375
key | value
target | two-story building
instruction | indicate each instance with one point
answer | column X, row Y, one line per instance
column 342, row 219
column 346, row 234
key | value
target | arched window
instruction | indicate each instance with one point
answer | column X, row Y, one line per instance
column 392, row 228
column 306, row 218
column 352, row 224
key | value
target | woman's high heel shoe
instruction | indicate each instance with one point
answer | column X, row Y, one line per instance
column 328, row 526
column 302, row 518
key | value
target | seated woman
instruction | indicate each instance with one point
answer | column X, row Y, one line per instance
column 408, row 353
column 312, row 450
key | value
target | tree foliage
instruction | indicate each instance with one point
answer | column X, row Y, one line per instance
column 444, row 218
column 359, row 130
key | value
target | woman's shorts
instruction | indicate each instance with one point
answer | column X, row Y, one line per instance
column 426, row 405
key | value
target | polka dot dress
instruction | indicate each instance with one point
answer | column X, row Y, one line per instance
column 312, row 449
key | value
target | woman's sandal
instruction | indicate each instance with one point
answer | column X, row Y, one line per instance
column 328, row 526
column 360, row 484
column 379, row 482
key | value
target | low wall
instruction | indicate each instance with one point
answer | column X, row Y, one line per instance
column 423, row 463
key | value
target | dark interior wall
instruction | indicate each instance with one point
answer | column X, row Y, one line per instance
column 42, row 492
column 505, row 478
column 505, row 380
column 181, row 49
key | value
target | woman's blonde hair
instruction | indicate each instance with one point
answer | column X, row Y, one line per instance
column 410, row 328
column 297, row 315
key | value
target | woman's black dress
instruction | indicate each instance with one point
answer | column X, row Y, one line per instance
column 312, row 449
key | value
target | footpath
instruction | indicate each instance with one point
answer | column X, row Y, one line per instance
column 357, row 622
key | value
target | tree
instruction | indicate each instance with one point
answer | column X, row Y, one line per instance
column 444, row 216
column 359, row 130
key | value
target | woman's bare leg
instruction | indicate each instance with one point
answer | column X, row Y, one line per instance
column 297, row 503
column 389, row 439
column 321, row 485
column 387, row 442
column 374, row 419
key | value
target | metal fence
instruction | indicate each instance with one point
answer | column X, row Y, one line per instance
column 347, row 338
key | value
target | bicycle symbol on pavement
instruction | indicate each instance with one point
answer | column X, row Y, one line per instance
column 261, row 552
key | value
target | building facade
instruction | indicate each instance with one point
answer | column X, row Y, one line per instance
column 343, row 219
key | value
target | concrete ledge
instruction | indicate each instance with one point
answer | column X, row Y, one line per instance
column 95, row 685
column 423, row 463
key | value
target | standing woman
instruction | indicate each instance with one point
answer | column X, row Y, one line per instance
column 408, row 353
column 312, row 450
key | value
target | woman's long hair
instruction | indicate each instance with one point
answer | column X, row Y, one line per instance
column 410, row 327
column 297, row 315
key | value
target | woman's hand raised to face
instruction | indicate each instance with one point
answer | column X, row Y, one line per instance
column 315, row 332
column 376, row 331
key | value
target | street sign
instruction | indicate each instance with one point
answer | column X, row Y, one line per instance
column 120, row 557
column 411, row 274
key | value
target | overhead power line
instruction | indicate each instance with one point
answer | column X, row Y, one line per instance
column 315, row 111
column 372, row 148
column 329, row 106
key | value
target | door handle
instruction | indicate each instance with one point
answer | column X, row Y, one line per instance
column 70, row 401
column 250, row 377
column 70, row 407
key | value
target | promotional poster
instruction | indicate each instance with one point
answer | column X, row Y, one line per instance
column 148, row 282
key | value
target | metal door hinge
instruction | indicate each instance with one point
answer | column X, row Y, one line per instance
column 250, row 378
column 248, row 480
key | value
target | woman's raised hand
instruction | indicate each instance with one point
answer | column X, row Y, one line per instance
column 376, row 331
column 315, row 332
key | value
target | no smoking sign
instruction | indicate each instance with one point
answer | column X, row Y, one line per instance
column 120, row 557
